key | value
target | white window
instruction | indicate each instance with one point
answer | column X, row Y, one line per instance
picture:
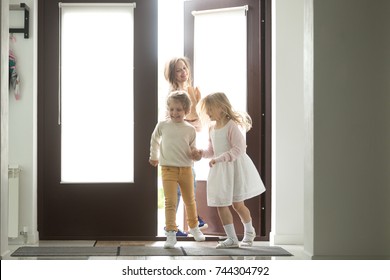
column 220, row 61
column 96, row 92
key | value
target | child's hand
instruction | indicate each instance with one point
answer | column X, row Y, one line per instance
column 212, row 162
column 153, row 162
column 196, row 154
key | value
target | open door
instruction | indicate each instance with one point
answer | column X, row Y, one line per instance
column 255, row 91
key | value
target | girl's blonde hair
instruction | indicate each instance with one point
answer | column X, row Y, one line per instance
column 169, row 71
column 220, row 100
column 182, row 97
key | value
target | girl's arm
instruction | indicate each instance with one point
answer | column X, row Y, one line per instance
column 237, row 143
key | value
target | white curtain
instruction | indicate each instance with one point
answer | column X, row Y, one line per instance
column 96, row 92
column 220, row 61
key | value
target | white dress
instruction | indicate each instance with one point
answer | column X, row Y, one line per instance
column 234, row 177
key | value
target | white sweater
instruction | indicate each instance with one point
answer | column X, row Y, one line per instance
column 171, row 143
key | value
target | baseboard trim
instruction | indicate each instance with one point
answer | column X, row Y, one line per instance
column 286, row 239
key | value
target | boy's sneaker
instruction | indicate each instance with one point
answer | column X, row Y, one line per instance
column 181, row 233
column 202, row 225
column 197, row 234
column 171, row 239
column 247, row 241
column 228, row 243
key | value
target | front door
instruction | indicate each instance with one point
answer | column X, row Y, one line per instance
column 255, row 90
column 99, row 210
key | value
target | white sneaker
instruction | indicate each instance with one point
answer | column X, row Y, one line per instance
column 171, row 239
column 247, row 241
column 228, row 243
column 197, row 234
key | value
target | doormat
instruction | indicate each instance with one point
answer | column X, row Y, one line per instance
column 150, row 251
column 104, row 243
column 31, row 251
column 202, row 251
column 243, row 251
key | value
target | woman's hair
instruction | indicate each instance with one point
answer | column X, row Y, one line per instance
column 169, row 71
column 182, row 97
column 220, row 100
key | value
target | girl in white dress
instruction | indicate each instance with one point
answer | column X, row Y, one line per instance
column 233, row 178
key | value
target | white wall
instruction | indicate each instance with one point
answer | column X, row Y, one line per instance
column 4, row 127
column 23, row 118
column 308, row 201
column 287, row 126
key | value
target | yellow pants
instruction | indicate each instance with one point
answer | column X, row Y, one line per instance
column 182, row 176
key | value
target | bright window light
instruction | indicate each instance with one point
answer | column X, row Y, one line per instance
column 96, row 93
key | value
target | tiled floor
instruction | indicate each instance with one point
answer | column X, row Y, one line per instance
column 296, row 250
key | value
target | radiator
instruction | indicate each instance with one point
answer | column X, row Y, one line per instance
column 13, row 201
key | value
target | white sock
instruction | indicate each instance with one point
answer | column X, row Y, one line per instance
column 230, row 231
column 248, row 227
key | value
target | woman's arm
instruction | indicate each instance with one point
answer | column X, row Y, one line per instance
column 193, row 117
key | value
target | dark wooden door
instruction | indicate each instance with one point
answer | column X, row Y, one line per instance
column 106, row 211
column 258, row 104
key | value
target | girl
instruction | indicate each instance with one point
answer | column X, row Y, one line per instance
column 178, row 74
column 170, row 146
column 233, row 178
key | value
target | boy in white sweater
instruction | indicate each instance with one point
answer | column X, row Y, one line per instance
column 170, row 146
